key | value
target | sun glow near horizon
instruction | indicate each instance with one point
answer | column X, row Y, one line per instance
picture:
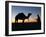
column 25, row 21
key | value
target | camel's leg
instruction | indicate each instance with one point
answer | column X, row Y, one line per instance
column 28, row 20
column 15, row 21
column 23, row 21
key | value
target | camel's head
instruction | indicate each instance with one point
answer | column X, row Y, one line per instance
column 29, row 14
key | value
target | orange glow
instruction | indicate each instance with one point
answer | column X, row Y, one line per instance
column 26, row 20
column 20, row 21
column 32, row 20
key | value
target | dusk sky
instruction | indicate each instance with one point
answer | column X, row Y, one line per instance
column 26, row 10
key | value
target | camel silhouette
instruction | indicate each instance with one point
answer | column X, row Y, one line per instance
column 21, row 16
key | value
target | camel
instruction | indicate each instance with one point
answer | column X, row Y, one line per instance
column 22, row 17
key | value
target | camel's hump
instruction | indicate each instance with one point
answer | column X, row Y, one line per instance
column 20, row 15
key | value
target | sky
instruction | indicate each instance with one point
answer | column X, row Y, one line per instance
column 26, row 10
